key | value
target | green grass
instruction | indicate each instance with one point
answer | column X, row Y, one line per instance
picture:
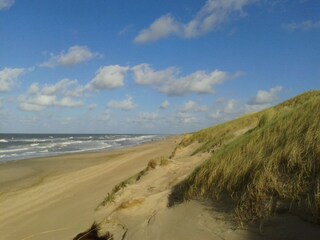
column 215, row 137
column 275, row 163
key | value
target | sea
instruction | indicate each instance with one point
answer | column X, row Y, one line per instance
column 26, row 146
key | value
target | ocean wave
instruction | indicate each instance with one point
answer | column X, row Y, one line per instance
column 25, row 147
column 13, row 150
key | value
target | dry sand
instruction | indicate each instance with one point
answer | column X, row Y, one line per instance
column 55, row 198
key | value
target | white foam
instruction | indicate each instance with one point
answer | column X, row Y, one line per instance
column 49, row 146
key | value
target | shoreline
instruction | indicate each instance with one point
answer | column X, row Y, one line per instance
column 20, row 147
column 94, row 156
column 63, row 191
column 80, row 152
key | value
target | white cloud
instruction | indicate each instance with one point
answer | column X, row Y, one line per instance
column 109, row 77
column 36, row 103
column 74, row 56
column 146, row 120
column 213, row 14
column 161, row 28
column 92, row 106
column 30, row 107
column 44, row 100
column 40, row 102
column 198, row 82
column 126, row 104
column 127, row 29
column 69, row 102
column 65, row 87
column 149, row 116
column 305, row 25
column 186, row 118
column 168, row 81
column 6, row 4
column 229, row 109
column 34, row 89
column 146, row 117
column 165, row 104
column 190, row 105
column 60, row 94
column 145, row 75
column 8, row 77
column 266, row 97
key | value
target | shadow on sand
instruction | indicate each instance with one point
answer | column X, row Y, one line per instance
column 93, row 234
column 282, row 226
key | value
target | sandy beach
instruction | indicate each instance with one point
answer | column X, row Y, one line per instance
column 55, row 198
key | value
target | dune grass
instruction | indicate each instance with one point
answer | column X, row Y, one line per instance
column 213, row 138
column 152, row 164
column 274, row 166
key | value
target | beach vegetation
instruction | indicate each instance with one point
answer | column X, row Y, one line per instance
column 152, row 164
column 266, row 163
column 164, row 161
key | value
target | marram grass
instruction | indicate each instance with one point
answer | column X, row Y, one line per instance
column 273, row 167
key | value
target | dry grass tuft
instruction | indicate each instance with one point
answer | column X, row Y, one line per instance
column 110, row 198
column 161, row 161
column 130, row 204
column 164, row 162
column 152, row 164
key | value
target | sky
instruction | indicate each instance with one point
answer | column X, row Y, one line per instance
column 151, row 66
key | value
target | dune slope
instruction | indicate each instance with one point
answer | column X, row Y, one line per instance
column 273, row 167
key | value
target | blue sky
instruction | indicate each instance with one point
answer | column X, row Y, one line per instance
column 146, row 66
